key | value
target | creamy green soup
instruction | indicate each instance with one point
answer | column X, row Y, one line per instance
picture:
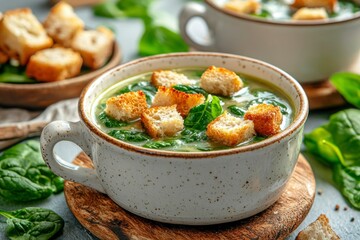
column 255, row 91
column 280, row 10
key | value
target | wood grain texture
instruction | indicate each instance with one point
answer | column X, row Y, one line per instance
column 106, row 220
column 323, row 95
column 41, row 95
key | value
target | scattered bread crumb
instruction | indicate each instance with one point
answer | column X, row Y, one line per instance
column 162, row 121
column 126, row 107
column 183, row 101
column 229, row 130
column 220, row 81
column 320, row 230
column 267, row 118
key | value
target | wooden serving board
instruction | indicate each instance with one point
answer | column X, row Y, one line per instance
column 106, row 220
column 323, row 95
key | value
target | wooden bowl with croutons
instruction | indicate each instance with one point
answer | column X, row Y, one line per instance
column 42, row 63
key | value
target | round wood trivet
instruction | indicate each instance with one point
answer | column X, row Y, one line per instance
column 106, row 220
column 323, row 95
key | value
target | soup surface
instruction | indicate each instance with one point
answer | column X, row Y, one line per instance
column 254, row 91
column 281, row 9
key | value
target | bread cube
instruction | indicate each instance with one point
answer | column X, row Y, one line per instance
column 329, row 5
column 54, row 64
column 229, row 130
column 267, row 118
column 95, row 46
column 62, row 24
column 310, row 14
column 320, row 229
column 168, row 78
column 162, row 121
column 243, row 6
column 220, row 81
column 183, row 101
column 22, row 35
column 126, row 107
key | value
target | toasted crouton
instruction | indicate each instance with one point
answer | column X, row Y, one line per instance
column 183, row 101
column 267, row 118
column 3, row 57
column 241, row 6
column 220, row 81
column 320, row 229
column 95, row 46
column 22, row 35
column 229, row 130
column 54, row 64
column 62, row 24
column 162, row 121
column 310, row 14
column 126, row 107
column 329, row 5
column 168, row 78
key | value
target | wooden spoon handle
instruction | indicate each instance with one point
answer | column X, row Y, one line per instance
column 21, row 130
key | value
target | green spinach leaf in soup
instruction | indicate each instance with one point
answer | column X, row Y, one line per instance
column 190, row 89
column 193, row 135
column 148, row 89
column 32, row 223
column 110, row 122
column 200, row 116
column 24, row 176
column 129, row 135
column 238, row 111
column 158, row 144
column 268, row 98
column 348, row 84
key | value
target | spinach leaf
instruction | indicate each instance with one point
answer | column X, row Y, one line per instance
column 110, row 122
column 345, row 129
column 122, row 8
column 148, row 89
column 348, row 180
column 268, row 98
column 190, row 89
column 321, row 143
column 263, row 14
column 348, row 84
column 159, row 39
column 200, row 116
column 160, row 144
column 24, row 176
column 129, row 135
column 32, row 223
column 193, row 135
column 238, row 111
column 13, row 74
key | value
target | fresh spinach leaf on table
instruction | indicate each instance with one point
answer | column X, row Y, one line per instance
column 14, row 74
column 338, row 144
column 200, row 116
column 32, row 223
column 348, row 84
column 24, row 176
column 122, row 8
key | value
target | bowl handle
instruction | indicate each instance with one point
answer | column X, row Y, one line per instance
column 74, row 132
column 189, row 11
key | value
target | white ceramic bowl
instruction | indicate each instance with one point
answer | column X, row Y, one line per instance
column 183, row 187
column 310, row 51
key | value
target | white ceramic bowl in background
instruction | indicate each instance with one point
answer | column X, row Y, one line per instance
column 310, row 51
column 183, row 187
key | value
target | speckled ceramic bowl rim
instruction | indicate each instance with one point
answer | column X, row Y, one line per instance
column 298, row 23
column 295, row 126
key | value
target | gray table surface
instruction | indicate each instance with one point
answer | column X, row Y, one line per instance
column 128, row 33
